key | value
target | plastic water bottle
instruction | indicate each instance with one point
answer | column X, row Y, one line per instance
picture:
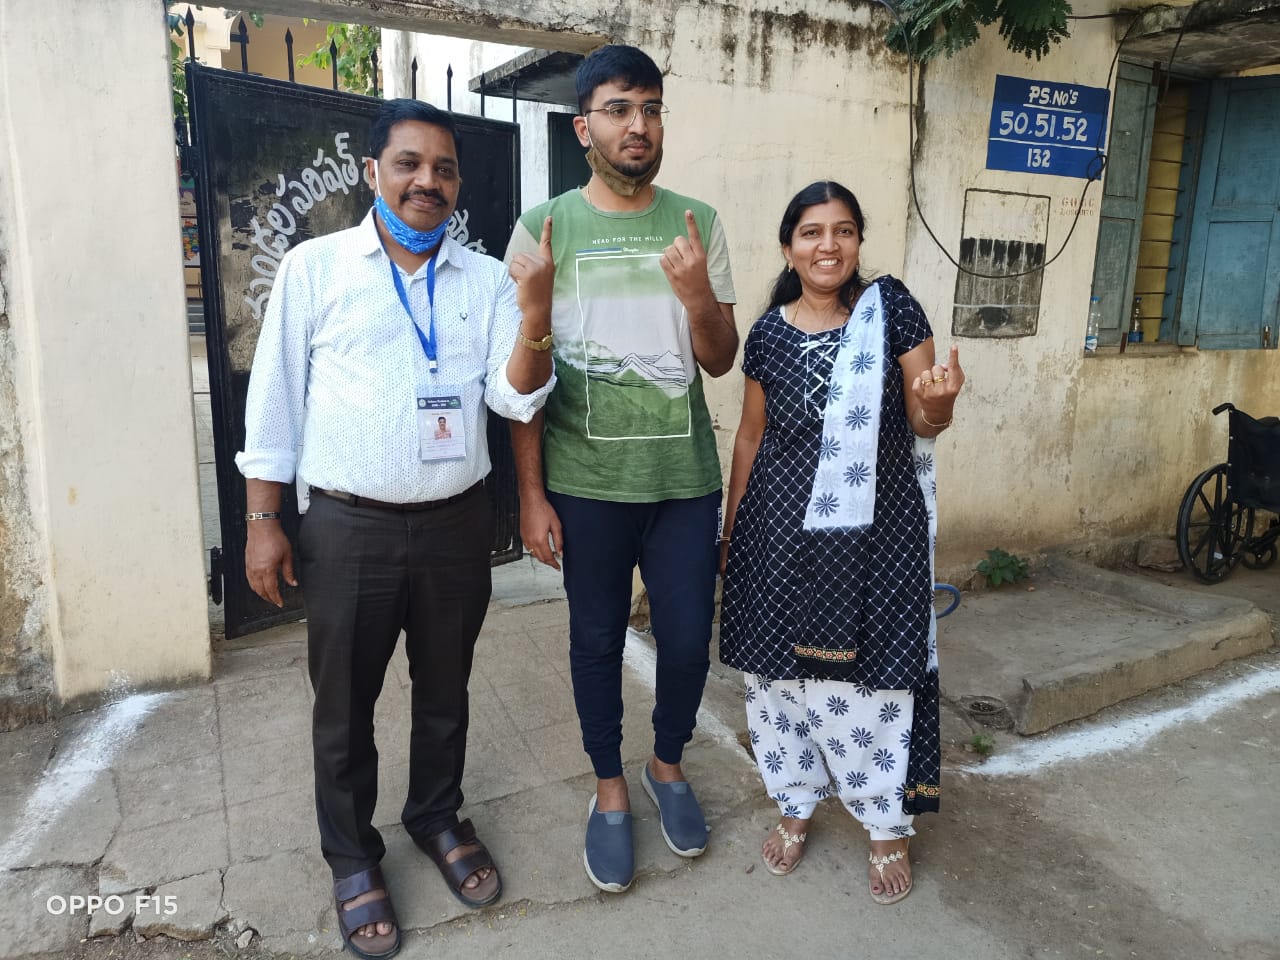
column 1095, row 321
column 1135, row 322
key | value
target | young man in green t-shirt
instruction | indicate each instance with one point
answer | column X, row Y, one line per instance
column 624, row 469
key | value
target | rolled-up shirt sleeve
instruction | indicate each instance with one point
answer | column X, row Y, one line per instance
column 500, row 396
column 276, row 400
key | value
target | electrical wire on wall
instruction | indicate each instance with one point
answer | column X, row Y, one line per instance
column 1100, row 159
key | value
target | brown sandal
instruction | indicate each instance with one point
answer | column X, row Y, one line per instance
column 381, row 946
column 456, row 873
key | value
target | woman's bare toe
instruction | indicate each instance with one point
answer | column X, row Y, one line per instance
column 783, row 847
column 889, row 875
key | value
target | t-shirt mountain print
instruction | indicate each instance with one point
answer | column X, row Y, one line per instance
column 624, row 353
column 636, row 349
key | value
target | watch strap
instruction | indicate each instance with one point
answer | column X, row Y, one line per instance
column 539, row 345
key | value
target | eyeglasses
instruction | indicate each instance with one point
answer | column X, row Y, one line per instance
column 623, row 114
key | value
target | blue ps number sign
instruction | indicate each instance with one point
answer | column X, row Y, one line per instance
column 1038, row 126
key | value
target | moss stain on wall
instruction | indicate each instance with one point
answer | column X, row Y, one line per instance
column 25, row 681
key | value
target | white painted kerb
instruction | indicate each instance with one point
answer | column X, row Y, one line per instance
column 1036, row 754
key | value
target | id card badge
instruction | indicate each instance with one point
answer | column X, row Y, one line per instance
column 441, row 430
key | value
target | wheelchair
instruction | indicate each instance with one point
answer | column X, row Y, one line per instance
column 1228, row 514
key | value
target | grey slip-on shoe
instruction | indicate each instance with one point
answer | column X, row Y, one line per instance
column 608, row 855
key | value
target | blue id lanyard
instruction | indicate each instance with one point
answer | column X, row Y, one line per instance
column 428, row 339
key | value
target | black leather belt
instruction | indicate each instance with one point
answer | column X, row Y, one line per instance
column 351, row 500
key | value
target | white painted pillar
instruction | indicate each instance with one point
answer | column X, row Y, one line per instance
column 91, row 261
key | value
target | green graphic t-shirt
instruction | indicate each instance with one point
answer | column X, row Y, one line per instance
column 627, row 420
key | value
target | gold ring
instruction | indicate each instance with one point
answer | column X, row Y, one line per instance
column 938, row 379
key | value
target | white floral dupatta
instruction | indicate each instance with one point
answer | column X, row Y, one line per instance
column 844, row 483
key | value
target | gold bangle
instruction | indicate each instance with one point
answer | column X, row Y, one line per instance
column 936, row 426
column 725, row 539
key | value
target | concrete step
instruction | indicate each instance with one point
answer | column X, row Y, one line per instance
column 1083, row 639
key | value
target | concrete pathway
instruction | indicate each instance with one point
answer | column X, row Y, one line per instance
column 1147, row 835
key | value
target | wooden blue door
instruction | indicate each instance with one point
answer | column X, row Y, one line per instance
column 1232, row 293
column 1124, row 190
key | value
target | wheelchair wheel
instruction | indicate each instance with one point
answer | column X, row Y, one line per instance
column 1261, row 560
column 1260, row 552
column 1211, row 528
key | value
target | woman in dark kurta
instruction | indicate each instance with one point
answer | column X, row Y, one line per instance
column 828, row 541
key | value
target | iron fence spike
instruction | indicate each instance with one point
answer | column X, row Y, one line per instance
column 242, row 38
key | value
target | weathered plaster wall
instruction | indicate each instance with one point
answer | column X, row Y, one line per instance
column 1050, row 447
column 24, row 637
column 550, row 24
column 99, row 494
column 764, row 102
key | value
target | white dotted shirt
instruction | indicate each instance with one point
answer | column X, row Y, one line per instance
column 338, row 369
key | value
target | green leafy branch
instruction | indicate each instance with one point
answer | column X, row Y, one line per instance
column 1029, row 27
column 355, row 43
column 177, row 74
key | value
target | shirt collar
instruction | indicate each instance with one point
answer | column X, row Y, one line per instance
column 369, row 243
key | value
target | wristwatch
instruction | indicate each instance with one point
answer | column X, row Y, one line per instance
column 539, row 345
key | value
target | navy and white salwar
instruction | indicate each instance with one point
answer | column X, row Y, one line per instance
column 818, row 738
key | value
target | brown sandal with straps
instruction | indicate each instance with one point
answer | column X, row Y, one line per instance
column 455, row 873
column 382, row 945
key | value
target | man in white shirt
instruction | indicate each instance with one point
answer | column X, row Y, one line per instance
column 369, row 335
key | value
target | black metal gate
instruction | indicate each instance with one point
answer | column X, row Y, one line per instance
column 277, row 163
